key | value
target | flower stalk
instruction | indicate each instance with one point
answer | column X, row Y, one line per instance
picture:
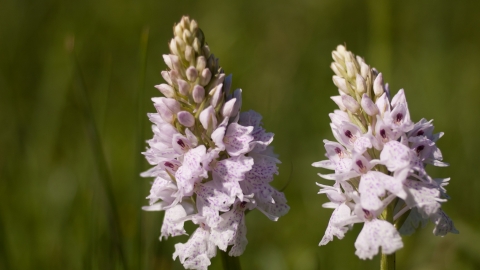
column 229, row 262
column 387, row 261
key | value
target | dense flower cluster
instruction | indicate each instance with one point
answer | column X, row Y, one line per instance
column 212, row 163
column 379, row 163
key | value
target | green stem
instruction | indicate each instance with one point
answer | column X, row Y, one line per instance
column 230, row 262
column 388, row 261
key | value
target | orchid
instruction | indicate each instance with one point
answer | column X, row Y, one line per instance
column 379, row 164
column 211, row 161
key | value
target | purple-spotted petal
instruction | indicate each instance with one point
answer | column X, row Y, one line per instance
column 376, row 234
column 237, row 139
column 340, row 213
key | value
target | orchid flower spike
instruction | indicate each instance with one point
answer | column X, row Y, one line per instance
column 379, row 163
column 210, row 161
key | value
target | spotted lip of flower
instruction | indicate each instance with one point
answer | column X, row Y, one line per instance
column 211, row 161
column 379, row 163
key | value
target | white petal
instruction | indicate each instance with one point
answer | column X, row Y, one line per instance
column 234, row 168
column 196, row 253
column 423, row 196
column 340, row 213
column 171, row 224
column 443, row 224
column 326, row 164
column 375, row 234
column 413, row 222
column 237, row 139
column 240, row 241
column 396, row 156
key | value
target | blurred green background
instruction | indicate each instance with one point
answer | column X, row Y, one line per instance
column 63, row 202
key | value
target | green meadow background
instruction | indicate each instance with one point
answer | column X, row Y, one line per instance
column 72, row 128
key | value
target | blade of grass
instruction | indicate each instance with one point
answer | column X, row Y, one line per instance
column 100, row 161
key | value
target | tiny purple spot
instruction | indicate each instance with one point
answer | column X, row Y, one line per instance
column 419, row 149
column 349, row 134
column 181, row 143
column 399, row 117
column 383, row 133
column 360, row 164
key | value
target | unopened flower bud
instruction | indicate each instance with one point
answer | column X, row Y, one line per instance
column 341, row 49
column 208, row 119
column 172, row 104
column 227, row 84
column 375, row 72
column 350, row 69
column 189, row 53
column 172, row 61
column 335, row 69
column 197, row 46
column 338, row 101
column 166, row 90
column 350, row 103
column 166, row 77
column 183, row 87
column 173, row 46
column 378, row 85
column 178, row 30
column 364, row 70
column 206, row 50
column 337, row 57
column 187, row 36
column 174, row 76
column 168, row 61
column 218, row 80
column 382, row 104
column 217, row 92
column 185, row 118
column 192, row 74
column 163, row 109
column 205, row 77
column 227, row 109
column 361, row 84
column 360, row 60
column 180, row 43
column 185, row 22
column 198, row 93
column 201, row 63
column 238, row 104
column 340, row 83
column 193, row 26
column 348, row 57
column 368, row 106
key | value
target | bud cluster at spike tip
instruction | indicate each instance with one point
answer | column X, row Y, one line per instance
column 379, row 161
column 211, row 161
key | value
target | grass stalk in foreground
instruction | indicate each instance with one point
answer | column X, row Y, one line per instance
column 100, row 161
